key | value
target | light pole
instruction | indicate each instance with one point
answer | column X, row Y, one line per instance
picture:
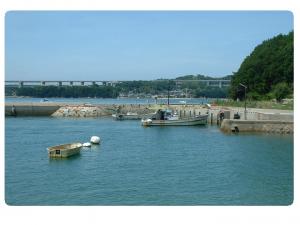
column 245, row 87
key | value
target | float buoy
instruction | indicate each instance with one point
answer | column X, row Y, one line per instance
column 95, row 140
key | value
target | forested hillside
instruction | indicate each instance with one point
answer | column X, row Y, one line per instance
column 267, row 71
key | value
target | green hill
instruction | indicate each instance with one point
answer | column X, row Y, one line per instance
column 267, row 71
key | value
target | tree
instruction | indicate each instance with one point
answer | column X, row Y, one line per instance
column 281, row 90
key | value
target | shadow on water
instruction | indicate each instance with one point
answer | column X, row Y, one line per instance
column 69, row 159
column 177, row 127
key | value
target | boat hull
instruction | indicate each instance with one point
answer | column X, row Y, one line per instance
column 200, row 120
column 130, row 117
column 64, row 151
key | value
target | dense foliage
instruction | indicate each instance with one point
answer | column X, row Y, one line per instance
column 146, row 87
column 270, row 64
column 211, row 92
column 68, row 91
column 202, row 77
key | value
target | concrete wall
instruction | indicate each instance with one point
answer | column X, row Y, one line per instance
column 271, row 126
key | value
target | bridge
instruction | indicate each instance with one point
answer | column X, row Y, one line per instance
column 31, row 83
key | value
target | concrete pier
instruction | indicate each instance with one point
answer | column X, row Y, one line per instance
column 269, row 126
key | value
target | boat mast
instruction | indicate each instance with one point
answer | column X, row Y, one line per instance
column 168, row 92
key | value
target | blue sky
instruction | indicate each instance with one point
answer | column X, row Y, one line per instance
column 133, row 45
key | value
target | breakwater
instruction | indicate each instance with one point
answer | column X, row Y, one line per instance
column 99, row 110
column 94, row 110
column 30, row 109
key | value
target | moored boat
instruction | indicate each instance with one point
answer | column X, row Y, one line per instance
column 166, row 118
column 127, row 116
column 64, row 151
column 130, row 116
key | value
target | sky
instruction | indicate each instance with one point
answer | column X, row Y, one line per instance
column 134, row 45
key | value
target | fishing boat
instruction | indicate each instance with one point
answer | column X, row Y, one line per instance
column 167, row 118
column 64, row 151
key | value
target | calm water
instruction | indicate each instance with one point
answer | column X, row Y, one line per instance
column 114, row 100
column 144, row 166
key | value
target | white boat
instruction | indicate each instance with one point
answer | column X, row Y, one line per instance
column 128, row 116
column 87, row 144
column 166, row 118
column 64, row 151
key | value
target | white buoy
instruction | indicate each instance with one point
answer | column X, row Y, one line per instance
column 87, row 144
column 95, row 140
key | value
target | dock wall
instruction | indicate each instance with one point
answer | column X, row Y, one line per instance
column 269, row 126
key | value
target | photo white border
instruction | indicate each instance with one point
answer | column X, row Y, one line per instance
column 152, row 215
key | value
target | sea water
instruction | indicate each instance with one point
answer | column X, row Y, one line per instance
column 134, row 165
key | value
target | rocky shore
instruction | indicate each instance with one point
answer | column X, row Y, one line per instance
column 99, row 110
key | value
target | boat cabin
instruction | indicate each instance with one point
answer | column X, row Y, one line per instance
column 165, row 115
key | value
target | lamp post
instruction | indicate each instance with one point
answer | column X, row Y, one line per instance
column 245, row 87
